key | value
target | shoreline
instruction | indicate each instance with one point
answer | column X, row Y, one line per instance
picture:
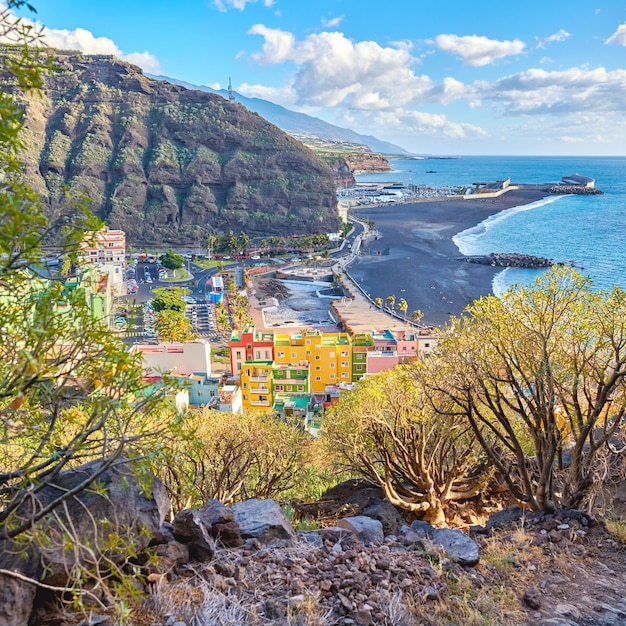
column 415, row 257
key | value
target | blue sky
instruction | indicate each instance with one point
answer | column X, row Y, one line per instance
column 435, row 77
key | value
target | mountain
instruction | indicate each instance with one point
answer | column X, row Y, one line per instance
column 297, row 123
column 167, row 164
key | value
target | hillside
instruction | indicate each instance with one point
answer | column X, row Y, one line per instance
column 299, row 123
column 167, row 164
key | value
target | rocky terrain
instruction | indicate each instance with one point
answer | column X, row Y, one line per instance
column 345, row 165
column 367, row 565
column 168, row 164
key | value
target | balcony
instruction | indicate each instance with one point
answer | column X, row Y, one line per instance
column 259, row 403
column 259, row 379
column 259, row 389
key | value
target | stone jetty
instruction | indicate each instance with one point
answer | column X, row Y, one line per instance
column 511, row 259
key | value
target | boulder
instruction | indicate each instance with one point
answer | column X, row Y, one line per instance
column 263, row 520
column 222, row 521
column 386, row 514
column 191, row 528
column 16, row 601
column 120, row 505
column 458, row 546
column 368, row 530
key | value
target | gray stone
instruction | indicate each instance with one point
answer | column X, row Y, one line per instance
column 264, row 520
column 16, row 601
column 422, row 529
column 368, row 530
column 191, row 528
column 119, row 505
column 387, row 514
column 458, row 545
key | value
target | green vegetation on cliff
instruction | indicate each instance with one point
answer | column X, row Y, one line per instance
column 166, row 164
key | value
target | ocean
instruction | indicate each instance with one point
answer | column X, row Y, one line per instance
column 586, row 231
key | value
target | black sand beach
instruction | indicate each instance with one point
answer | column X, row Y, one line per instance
column 423, row 265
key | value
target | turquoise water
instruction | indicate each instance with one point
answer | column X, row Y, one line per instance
column 588, row 231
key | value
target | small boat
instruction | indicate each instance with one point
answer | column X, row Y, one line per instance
column 431, row 171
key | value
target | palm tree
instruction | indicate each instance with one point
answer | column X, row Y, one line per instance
column 417, row 315
column 244, row 240
column 211, row 242
column 391, row 301
column 378, row 302
column 403, row 306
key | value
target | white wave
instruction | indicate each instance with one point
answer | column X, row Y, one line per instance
column 469, row 241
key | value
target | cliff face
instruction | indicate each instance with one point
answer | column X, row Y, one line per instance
column 166, row 164
column 345, row 165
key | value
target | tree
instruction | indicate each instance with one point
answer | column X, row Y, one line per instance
column 211, row 243
column 232, row 242
column 539, row 375
column 387, row 431
column 168, row 301
column 403, row 306
column 171, row 260
column 232, row 457
column 244, row 242
column 391, row 301
column 416, row 316
column 171, row 326
column 69, row 390
column 378, row 302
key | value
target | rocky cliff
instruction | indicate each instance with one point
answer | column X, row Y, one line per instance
column 345, row 165
column 166, row 164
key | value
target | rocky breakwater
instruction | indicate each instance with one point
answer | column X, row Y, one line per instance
column 512, row 259
column 575, row 189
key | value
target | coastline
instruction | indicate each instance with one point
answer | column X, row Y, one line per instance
column 415, row 257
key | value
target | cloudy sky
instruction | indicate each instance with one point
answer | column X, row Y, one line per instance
column 446, row 77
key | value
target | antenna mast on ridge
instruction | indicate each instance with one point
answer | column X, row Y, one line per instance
column 231, row 97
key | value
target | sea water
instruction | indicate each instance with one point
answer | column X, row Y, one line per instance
column 588, row 232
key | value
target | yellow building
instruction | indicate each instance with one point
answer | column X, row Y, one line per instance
column 256, row 385
column 329, row 356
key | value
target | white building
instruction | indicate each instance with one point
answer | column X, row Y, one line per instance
column 106, row 249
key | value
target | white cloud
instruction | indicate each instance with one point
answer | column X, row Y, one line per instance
column 333, row 70
column 619, row 36
column 477, row 51
column 145, row 60
column 576, row 90
column 85, row 41
column 562, row 35
column 335, row 21
column 222, row 5
column 79, row 39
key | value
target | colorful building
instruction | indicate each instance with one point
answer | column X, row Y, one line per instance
column 106, row 248
column 329, row 355
column 249, row 345
column 362, row 343
column 256, row 385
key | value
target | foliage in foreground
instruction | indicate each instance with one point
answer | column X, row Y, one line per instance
column 540, row 377
column 387, row 431
column 232, row 457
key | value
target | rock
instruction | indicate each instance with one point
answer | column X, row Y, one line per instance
column 386, row 514
column 458, row 545
column 216, row 512
column 175, row 552
column 16, row 601
column 507, row 518
column 532, row 599
column 368, row 530
column 190, row 527
column 263, row 520
column 424, row 530
column 120, row 505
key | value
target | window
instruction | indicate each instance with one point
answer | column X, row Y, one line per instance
column 239, row 367
column 403, row 348
column 308, row 353
column 268, row 355
column 249, row 346
column 426, row 345
column 318, row 368
column 359, row 368
column 199, row 394
column 280, row 354
column 300, row 387
column 332, row 366
column 294, row 355
column 344, row 353
column 345, row 364
column 257, row 355
column 318, row 378
column 317, row 357
column 331, row 355
column 279, row 387
column 332, row 376
column 344, row 374
column 245, row 385
column 308, row 342
column 245, row 397
column 238, row 354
